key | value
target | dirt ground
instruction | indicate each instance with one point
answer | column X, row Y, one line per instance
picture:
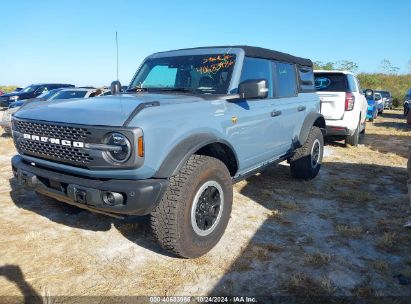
column 340, row 234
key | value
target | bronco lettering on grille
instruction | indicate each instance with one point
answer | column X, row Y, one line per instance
column 56, row 141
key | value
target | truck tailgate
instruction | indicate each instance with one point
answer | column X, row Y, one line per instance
column 332, row 104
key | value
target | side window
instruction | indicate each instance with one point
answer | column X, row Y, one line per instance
column 351, row 83
column 255, row 68
column 41, row 90
column 359, row 85
column 306, row 77
column 286, row 79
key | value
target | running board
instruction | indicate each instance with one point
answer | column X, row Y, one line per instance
column 261, row 168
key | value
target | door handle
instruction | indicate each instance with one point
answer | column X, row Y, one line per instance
column 301, row 108
column 275, row 113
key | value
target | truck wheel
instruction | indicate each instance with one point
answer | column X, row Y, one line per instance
column 306, row 161
column 194, row 212
column 353, row 140
column 67, row 208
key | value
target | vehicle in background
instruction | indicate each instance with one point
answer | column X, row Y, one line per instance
column 386, row 98
column 379, row 101
column 342, row 103
column 17, row 90
column 42, row 97
column 56, row 95
column 31, row 91
column 1, row 92
column 372, row 111
column 76, row 93
column 407, row 101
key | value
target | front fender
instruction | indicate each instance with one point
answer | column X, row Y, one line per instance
column 182, row 151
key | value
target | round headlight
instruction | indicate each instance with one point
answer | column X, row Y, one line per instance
column 119, row 140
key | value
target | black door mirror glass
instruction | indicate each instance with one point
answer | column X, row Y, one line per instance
column 253, row 89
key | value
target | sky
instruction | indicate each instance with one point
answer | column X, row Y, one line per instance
column 74, row 41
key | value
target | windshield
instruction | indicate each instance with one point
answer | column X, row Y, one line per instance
column 204, row 74
column 30, row 89
column 69, row 95
column 384, row 94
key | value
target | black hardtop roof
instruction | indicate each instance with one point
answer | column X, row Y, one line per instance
column 258, row 52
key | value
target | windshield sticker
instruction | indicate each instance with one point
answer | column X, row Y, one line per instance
column 322, row 83
column 212, row 65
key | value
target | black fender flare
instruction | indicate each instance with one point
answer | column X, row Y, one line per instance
column 184, row 149
column 313, row 118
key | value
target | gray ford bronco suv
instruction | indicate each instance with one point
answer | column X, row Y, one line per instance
column 191, row 123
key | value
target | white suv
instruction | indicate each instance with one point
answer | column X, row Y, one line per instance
column 342, row 103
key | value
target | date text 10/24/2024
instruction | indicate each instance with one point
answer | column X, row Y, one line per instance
column 204, row 299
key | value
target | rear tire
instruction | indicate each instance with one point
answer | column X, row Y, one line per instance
column 194, row 212
column 306, row 161
column 353, row 140
column 66, row 208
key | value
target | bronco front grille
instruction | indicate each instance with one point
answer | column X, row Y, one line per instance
column 52, row 151
column 61, row 153
column 55, row 131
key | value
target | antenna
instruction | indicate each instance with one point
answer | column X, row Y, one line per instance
column 117, row 53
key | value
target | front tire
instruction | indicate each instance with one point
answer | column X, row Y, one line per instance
column 306, row 161
column 194, row 212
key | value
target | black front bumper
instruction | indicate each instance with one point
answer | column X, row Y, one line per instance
column 140, row 196
column 4, row 104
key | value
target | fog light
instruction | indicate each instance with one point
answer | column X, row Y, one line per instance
column 113, row 198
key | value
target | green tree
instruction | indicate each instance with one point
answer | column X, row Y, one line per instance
column 388, row 68
column 346, row 65
column 319, row 65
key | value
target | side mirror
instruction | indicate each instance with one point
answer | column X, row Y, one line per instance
column 115, row 87
column 253, row 89
column 368, row 93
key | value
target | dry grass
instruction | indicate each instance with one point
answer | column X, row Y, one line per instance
column 317, row 259
column 290, row 204
column 255, row 253
column 355, row 196
column 387, row 241
column 364, row 291
column 349, row 232
column 304, row 285
column 380, row 265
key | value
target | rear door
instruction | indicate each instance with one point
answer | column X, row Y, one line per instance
column 331, row 87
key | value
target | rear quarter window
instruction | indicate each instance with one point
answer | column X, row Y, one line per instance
column 331, row 82
column 306, row 78
column 286, row 79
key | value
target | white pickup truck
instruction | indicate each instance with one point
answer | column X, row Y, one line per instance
column 342, row 103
